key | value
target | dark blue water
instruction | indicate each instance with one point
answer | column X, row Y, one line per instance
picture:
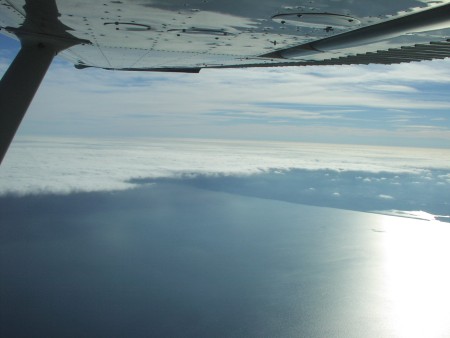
column 172, row 260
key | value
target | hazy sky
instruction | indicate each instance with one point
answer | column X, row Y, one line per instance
column 403, row 105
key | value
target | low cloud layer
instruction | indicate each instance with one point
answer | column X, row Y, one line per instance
column 346, row 177
column 62, row 165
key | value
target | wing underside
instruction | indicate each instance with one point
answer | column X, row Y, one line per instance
column 156, row 35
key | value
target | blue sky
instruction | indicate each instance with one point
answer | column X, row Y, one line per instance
column 403, row 105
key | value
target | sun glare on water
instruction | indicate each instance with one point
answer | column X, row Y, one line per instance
column 417, row 277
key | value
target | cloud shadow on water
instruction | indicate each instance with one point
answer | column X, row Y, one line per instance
column 350, row 190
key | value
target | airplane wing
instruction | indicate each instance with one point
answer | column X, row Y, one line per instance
column 176, row 35
column 187, row 36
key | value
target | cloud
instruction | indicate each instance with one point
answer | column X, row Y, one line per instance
column 395, row 88
column 445, row 177
column 385, row 197
column 329, row 101
column 40, row 164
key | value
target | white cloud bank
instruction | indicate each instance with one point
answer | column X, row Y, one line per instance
column 63, row 165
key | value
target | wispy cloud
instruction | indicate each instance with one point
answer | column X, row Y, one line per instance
column 385, row 197
column 395, row 88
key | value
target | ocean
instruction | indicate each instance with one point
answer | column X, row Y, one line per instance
column 220, row 254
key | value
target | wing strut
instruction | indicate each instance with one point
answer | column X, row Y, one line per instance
column 23, row 77
column 430, row 19
column 18, row 86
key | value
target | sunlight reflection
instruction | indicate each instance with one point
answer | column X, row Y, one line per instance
column 417, row 276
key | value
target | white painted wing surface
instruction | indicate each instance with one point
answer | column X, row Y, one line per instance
column 175, row 35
